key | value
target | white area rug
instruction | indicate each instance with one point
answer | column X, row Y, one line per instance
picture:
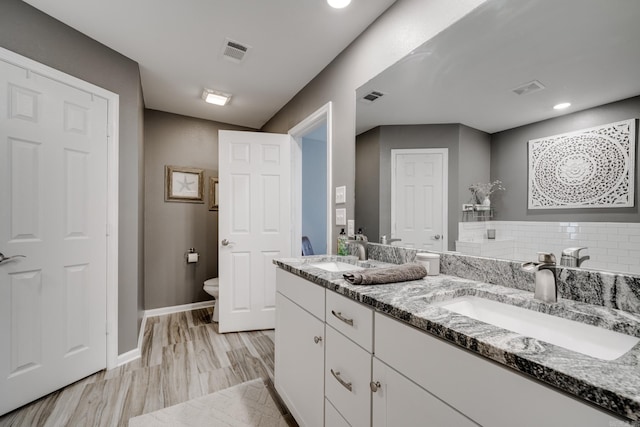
column 246, row 404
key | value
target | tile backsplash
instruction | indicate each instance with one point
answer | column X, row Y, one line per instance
column 611, row 246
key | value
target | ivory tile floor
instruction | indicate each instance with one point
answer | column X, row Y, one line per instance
column 183, row 357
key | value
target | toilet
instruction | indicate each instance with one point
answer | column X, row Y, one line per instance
column 212, row 287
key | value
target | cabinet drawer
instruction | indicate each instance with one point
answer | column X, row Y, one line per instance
column 461, row 379
column 332, row 417
column 306, row 294
column 351, row 318
column 347, row 377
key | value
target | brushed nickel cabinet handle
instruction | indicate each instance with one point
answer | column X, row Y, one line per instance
column 341, row 317
column 375, row 386
column 344, row 384
column 317, row 339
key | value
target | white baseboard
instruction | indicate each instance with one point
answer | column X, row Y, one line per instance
column 129, row 356
column 177, row 308
column 134, row 354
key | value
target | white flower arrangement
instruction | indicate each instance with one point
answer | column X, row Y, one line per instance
column 482, row 191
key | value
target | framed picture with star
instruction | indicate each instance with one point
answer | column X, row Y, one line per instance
column 184, row 184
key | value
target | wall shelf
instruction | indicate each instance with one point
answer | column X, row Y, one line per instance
column 477, row 213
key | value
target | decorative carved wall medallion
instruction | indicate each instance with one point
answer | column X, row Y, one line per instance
column 589, row 168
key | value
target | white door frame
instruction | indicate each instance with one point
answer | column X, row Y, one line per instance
column 322, row 114
column 445, row 187
column 113, row 101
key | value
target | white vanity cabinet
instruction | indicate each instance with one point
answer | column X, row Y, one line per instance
column 338, row 364
column 485, row 392
column 299, row 347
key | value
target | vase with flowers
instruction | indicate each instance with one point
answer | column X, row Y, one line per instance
column 481, row 192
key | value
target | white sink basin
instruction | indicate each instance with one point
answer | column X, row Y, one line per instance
column 336, row 266
column 580, row 337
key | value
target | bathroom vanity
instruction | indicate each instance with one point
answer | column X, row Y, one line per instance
column 390, row 355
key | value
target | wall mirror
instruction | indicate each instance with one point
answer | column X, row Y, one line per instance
column 482, row 89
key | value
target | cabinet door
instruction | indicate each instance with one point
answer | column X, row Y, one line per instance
column 400, row 402
column 299, row 362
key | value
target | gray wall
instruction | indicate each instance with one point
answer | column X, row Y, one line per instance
column 367, row 193
column 314, row 193
column 403, row 27
column 171, row 228
column 475, row 161
column 509, row 163
column 31, row 33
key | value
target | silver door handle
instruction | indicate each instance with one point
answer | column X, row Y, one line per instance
column 342, row 382
column 437, row 237
column 375, row 386
column 4, row 258
column 317, row 339
column 225, row 242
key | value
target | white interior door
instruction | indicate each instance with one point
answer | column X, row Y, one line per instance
column 254, row 226
column 53, row 210
column 418, row 198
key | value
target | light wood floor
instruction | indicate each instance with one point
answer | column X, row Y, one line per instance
column 183, row 357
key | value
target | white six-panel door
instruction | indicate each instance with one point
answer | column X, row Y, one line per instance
column 53, row 207
column 254, row 226
column 418, row 198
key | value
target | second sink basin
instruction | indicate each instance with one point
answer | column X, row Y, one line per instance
column 572, row 335
column 336, row 266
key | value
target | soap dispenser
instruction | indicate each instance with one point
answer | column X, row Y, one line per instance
column 342, row 243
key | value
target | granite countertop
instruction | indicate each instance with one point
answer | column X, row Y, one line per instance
column 613, row 385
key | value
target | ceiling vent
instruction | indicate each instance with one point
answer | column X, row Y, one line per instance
column 371, row 97
column 234, row 51
column 527, row 88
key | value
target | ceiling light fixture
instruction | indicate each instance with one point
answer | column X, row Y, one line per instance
column 338, row 4
column 215, row 97
column 562, row 106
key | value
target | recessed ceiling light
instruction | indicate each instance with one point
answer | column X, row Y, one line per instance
column 215, row 97
column 338, row 4
column 562, row 106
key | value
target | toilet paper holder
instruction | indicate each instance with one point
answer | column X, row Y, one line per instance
column 192, row 256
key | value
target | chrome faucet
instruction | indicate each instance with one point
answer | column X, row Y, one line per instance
column 363, row 248
column 571, row 257
column 544, row 270
column 387, row 241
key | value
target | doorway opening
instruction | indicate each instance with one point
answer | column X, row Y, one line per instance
column 311, row 183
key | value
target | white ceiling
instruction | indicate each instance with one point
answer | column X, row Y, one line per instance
column 178, row 44
column 586, row 52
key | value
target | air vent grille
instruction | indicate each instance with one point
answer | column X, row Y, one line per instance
column 528, row 88
column 372, row 96
column 234, row 51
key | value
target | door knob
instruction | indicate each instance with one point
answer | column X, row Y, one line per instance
column 4, row 258
column 437, row 237
column 225, row 242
